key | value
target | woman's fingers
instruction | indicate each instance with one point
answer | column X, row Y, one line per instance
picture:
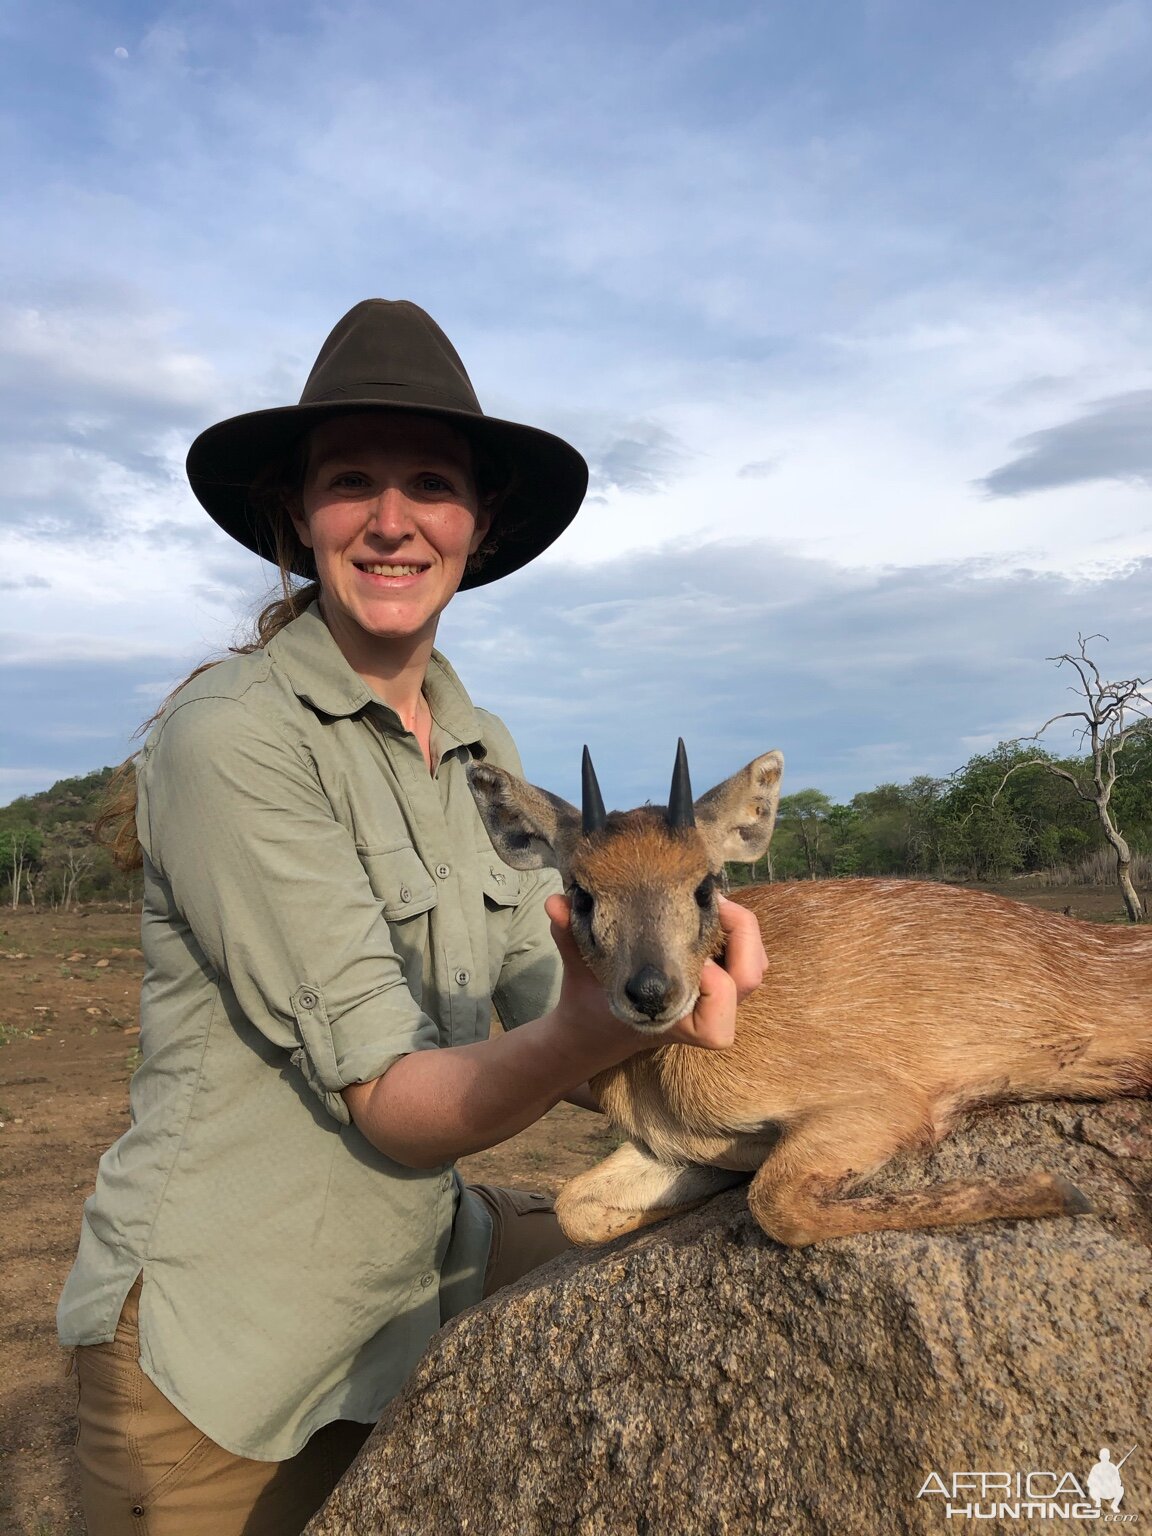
column 714, row 1016
column 559, row 910
column 744, row 956
column 582, row 994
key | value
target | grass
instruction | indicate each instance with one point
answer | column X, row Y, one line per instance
column 9, row 1032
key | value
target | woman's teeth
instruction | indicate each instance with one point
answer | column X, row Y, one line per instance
column 392, row 570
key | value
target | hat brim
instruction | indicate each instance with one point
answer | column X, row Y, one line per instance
column 549, row 477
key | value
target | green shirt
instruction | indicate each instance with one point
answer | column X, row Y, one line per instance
column 316, row 905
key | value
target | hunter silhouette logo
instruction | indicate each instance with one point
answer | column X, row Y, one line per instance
column 1037, row 1495
column 1104, row 1483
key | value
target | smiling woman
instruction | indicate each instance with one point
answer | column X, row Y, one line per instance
column 391, row 515
column 326, row 929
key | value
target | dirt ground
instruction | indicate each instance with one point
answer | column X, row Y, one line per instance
column 68, row 1046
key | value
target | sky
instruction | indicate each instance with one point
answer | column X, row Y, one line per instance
column 846, row 304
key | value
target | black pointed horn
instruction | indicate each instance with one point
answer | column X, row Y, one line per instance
column 680, row 811
column 594, row 813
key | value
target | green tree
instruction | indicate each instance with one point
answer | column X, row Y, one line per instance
column 20, row 850
column 803, row 819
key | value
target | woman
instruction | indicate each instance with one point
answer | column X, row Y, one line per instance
column 326, row 929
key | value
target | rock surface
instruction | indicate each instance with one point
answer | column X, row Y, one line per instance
column 696, row 1379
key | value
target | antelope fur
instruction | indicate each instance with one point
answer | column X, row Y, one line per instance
column 888, row 1009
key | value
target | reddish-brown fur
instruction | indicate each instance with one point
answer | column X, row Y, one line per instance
column 888, row 1008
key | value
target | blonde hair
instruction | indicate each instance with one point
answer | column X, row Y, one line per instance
column 274, row 496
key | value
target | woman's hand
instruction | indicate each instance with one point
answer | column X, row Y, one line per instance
column 712, row 1022
column 583, row 1002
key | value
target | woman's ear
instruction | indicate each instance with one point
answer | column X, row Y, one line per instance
column 485, row 513
column 300, row 523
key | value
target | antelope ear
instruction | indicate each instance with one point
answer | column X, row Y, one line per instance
column 736, row 818
column 529, row 827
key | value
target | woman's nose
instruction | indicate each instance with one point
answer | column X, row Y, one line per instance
column 390, row 514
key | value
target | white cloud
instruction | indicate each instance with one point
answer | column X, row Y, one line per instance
column 104, row 353
column 1088, row 43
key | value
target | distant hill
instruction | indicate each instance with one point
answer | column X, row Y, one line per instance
column 69, row 802
column 980, row 823
column 47, row 853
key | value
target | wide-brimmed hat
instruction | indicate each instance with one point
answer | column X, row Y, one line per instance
column 390, row 355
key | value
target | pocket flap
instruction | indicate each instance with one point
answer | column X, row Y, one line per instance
column 400, row 881
column 503, row 886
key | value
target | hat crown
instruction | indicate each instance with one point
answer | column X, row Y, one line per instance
column 389, row 355
column 393, row 351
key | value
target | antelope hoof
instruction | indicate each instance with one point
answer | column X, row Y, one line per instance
column 1073, row 1201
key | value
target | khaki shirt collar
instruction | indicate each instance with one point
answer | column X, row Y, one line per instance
column 321, row 677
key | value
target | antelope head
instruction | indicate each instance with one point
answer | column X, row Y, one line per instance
column 643, row 884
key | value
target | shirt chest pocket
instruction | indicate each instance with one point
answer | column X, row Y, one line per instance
column 407, row 896
column 399, row 881
column 504, row 889
column 502, row 885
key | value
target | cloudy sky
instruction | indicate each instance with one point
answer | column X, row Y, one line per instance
column 847, row 304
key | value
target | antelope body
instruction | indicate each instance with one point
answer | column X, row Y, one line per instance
column 889, row 1007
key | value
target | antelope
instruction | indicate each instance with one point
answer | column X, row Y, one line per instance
column 888, row 1009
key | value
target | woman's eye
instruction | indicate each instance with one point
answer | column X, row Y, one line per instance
column 435, row 485
column 582, row 903
column 349, row 481
column 704, row 891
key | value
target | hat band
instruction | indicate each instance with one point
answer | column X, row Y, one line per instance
column 397, row 392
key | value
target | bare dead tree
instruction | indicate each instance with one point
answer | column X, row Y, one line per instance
column 22, row 856
column 75, row 863
column 1112, row 714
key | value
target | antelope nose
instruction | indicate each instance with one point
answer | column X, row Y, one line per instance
column 648, row 990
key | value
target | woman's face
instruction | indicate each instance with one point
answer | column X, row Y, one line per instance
column 390, row 513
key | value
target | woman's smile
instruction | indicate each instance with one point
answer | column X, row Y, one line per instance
column 391, row 514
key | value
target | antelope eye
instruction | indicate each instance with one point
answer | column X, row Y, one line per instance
column 705, row 890
column 582, row 902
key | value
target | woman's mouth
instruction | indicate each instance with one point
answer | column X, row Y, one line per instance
column 389, row 570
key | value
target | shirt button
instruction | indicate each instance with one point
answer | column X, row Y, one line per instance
column 427, row 1280
column 405, row 893
column 443, row 871
column 308, row 1000
column 463, row 978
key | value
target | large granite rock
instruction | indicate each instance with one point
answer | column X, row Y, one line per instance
column 697, row 1378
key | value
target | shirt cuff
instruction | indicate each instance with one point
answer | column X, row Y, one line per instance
column 357, row 1047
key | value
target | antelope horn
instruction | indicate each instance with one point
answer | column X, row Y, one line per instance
column 594, row 813
column 680, row 811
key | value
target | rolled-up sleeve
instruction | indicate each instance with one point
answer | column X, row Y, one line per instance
column 233, row 816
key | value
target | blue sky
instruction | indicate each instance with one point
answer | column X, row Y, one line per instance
column 846, row 304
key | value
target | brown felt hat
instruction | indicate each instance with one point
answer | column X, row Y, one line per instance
column 390, row 355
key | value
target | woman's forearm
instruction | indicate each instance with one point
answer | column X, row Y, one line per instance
column 432, row 1107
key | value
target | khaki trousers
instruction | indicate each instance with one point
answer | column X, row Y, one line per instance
column 145, row 1470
